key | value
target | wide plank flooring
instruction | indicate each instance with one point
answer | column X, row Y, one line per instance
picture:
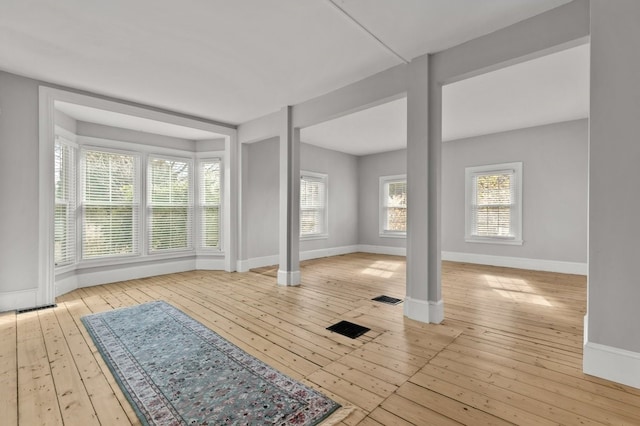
column 508, row 352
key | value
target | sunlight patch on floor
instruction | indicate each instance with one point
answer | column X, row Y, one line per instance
column 382, row 269
column 7, row 319
column 515, row 289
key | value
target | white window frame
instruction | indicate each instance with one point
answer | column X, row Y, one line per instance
column 200, row 229
column 191, row 226
column 324, row 232
column 382, row 210
column 471, row 173
column 137, row 204
column 67, row 139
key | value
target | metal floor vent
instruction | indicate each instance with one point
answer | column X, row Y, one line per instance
column 387, row 299
column 348, row 329
column 37, row 308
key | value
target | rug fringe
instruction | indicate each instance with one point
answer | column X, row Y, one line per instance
column 339, row 415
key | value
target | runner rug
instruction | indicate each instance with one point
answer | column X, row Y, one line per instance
column 175, row 371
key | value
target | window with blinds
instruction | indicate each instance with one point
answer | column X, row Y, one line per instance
column 210, row 203
column 170, row 204
column 65, row 202
column 393, row 206
column 313, row 204
column 494, row 203
column 110, row 203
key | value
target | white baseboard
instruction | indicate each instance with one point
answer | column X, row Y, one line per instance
column 257, row 262
column 617, row 365
column 482, row 259
column 436, row 312
column 326, row 252
column 288, row 278
column 518, row 262
column 21, row 299
column 215, row 264
column 424, row 310
column 391, row 251
column 66, row 284
column 97, row 276
column 88, row 277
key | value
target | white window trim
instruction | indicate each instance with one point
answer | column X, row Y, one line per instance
column 139, row 242
column 516, row 218
column 383, row 181
column 325, row 234
column 200, row 158
column 190, row 207
column 68, row 138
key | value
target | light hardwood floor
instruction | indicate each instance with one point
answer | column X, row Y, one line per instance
column 508, row 352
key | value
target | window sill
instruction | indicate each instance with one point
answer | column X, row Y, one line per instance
column 210, row 252
column 392, row 235
column 314, row 237
column 503, row 241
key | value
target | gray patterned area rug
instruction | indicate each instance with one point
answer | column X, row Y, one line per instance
column 175, row 371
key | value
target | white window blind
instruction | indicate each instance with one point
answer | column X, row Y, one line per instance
column 170, row 204
column 393, row 204
column 494, row 202
column 313, row 204
column 110, row 204
column 65, row 202
column 210, row 203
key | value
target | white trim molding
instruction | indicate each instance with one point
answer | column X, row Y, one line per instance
column 11, row 300
column 391, row 251
column 288, row 278
column 618, row 365
column 98, row 275
column 384, row 182
column 426, row 311
column 559, row 266
column 514, row 171
column 116, row 273
column 327, row 252
column 259, row 262
column 212, row 263
column 436, row 311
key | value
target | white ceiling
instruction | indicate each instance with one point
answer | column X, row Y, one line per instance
column 233, row 61
column 378, row 129
column 545, row 90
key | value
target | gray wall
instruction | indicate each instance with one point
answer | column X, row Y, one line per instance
column 342, row 170
column 18, row 183
column 554, row 190
column 614, row 181
column 261, row 193
column 554, row 169
column 370, row 168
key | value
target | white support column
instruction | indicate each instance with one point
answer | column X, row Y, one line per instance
column 232, row 192
column 424, row 300
column 289, row 270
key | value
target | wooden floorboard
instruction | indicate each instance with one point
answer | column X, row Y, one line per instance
column 508, row 352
